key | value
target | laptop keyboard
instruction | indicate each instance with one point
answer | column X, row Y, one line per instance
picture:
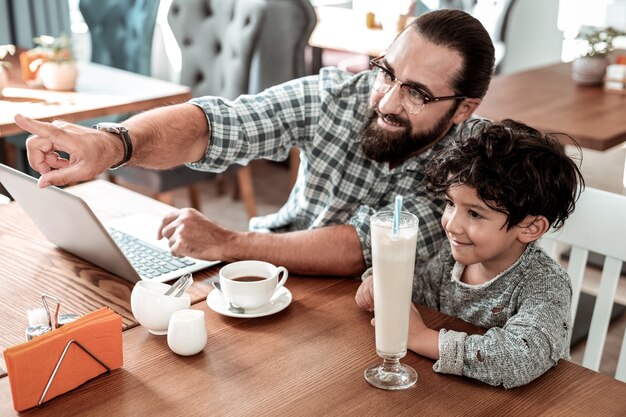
column 148, row 260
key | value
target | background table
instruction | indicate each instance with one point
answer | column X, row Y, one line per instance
column 354, row 35
column 100, row 91
column 548, row 99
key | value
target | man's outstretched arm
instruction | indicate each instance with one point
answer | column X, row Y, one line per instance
column 161, row 138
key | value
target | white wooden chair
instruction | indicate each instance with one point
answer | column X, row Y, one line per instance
column 494, row 15
column 598, row 224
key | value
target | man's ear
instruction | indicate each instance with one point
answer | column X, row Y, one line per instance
column 532, row 228
column 465, row 110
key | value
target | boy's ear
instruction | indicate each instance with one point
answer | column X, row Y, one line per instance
column 532, row 228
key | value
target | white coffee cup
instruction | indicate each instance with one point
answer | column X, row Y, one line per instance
column 251, row 284
column 186, row 333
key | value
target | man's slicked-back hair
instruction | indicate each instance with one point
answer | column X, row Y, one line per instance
column 464, row 34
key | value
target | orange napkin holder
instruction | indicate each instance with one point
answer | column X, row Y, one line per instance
column 63, row 359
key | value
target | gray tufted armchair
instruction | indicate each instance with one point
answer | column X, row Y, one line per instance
column 217, row 39
column 279, row 55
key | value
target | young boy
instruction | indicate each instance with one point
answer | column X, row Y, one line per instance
column 505, row 186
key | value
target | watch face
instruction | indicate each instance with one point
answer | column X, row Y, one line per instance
column 108, row 125
column 111, row 127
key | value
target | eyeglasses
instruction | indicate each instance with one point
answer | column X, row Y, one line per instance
column 413, row 99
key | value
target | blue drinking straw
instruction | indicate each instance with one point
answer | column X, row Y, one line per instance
column 396, row 216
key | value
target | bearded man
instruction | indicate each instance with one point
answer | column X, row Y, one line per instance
column 363, row 140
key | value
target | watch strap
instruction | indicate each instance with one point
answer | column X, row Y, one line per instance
column 124, row 136
column 128, row 147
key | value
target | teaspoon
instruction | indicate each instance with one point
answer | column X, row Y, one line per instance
column 231, row 307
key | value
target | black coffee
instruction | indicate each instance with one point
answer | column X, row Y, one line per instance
column 249, row 278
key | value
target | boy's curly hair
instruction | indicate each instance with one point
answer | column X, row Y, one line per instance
column 515, row 170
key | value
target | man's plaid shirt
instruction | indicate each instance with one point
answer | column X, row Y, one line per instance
column 323, row 115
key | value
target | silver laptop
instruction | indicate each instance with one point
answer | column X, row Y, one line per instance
column 126, row 247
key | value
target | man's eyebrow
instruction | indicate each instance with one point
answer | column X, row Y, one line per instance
column 414, row 84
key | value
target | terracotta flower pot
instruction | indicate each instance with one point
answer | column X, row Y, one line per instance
column 589, row 70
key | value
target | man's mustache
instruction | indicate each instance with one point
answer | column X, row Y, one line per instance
column 393, row 118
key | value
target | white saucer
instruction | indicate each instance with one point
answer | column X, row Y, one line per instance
column 279, row 301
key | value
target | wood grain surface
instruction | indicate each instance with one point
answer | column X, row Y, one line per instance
column 309, row 360
column 547, row 99
column 100, row 91
column 306, row 360
column 356, row 37
column 30, row 265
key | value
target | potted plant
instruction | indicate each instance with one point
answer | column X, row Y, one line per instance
column 4, row 51
column 597, row 42
column 58, row 71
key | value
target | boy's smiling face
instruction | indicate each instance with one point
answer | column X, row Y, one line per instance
column 478, row 234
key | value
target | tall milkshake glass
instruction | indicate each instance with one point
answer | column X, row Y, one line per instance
column 393, row 259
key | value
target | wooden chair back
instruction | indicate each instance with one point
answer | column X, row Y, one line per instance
column 598, row 225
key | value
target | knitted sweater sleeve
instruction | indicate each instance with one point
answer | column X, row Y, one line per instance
column 530, row 343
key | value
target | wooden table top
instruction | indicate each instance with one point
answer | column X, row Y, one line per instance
column 309, row 360
column 345, row 30
column 548, row 99
column 305, row 360
column 100, row 91
column 30, row 265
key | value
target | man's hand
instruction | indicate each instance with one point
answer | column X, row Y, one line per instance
column 365, row 294
column 90, row 151
column 190, row 233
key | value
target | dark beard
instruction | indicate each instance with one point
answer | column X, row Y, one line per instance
column 384, row 146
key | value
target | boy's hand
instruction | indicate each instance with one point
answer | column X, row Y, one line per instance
column 365, row 294
column 422, row 340
column 416, row 323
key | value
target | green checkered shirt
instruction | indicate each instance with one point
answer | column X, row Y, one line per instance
column 323, row 115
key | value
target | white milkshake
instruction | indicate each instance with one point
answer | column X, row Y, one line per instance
column 393, row 260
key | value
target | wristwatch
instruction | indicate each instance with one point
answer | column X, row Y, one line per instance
column 121, row 131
